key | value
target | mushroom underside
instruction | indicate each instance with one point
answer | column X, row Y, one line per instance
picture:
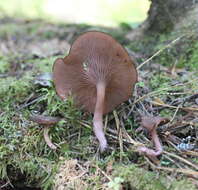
column 98, row 73
column 75, row 81
column 106, row 94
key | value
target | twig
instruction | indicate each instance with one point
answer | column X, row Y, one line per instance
column 184, row 171
column 159, row 51
column 109, row 178
column 115, row 137
column 174, row 146
column 175, row 107
column 5, row 185
column 129, row 139
column 181, row 159
column 177, row 170
column 191, row 153
column 106, row 122
column 119, row 133
column 178, row 107
column 84, row 124
column 173, row 161
column 151, row 94
column 30, row 103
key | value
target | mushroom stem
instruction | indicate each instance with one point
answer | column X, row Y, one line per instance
column 158, row 146
column 47, row 139
column 97, row 120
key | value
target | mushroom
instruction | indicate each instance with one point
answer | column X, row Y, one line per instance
column 98, row 73
column 46, row 121
column 151, row 123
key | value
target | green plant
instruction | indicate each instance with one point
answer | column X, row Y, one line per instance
column 115, row 183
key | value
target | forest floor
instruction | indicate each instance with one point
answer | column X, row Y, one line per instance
column 167, row 87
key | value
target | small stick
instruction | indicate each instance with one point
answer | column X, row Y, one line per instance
column 108, row 177
column 119, row 133
column 159, row 51
column 182, row 159
column 177, row 170
column 177, row 109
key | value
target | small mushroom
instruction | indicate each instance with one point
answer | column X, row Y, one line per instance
column 151, row 123
column 46, row 122
column 99, row 74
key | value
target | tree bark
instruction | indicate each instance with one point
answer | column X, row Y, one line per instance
column 163, row 15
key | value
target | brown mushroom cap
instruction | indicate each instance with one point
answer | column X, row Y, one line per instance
column 95, row 57
column 44, row 120
column 150, row 123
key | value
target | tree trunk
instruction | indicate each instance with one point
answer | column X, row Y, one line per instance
column 164, row 15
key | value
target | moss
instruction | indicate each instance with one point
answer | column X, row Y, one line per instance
column 11, row 88
column 191, row 60
column 24, row 154
column 159, row 80
column 132, row 177
column 9, row 29
column 184, row 55
column 43, row 65
column 168, row 113
column 4, row 64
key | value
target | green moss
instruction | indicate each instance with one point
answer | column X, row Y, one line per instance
column 13, row 89
column 160, row 80
column 133, row 177
column 9, row 29
column 4, row 64
column 182, row 54
column 168, row 113
column 43, row 65
column 191, row 60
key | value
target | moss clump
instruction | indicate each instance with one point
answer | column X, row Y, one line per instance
column 23, row 151
column 4, row 64
column 191, row 60
column 16, row 89
column 133, row 177
column 183, row 54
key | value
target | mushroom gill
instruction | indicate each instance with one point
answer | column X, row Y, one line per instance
column 99, row 74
